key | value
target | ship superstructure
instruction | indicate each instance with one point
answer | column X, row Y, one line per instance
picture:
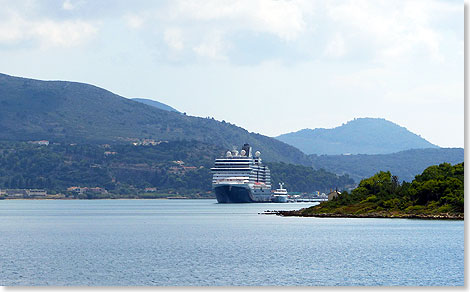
column 280, row 195
column 240, row 177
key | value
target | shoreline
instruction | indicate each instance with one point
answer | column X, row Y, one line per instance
column 297, row 213
column 73, row 199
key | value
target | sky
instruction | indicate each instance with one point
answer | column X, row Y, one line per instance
column 271, row 67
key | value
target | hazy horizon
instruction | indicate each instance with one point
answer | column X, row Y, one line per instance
column 289, row 65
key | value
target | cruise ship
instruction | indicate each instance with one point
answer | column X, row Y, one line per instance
column 241, row 177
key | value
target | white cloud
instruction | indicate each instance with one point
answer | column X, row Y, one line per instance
column 285, row 19
column 12, row 29
column 67, row 5
column 63, row 34
column 15, row 28
column 392, row 29
column 212, row 47
column 174, row 38
column 134, row 20
column 380, row 30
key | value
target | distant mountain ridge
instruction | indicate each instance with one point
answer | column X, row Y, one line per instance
column 72, row 112
column 404, row 164
column 156, row 104
column 359, row 136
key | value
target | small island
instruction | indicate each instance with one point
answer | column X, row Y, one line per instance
column 437, row 193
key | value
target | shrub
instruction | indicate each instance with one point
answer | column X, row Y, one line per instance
column 372, row 199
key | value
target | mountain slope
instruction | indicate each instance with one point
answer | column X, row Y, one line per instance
column 359, row 136
column 128, row 169
column 72, row 112
column 404, row 164
column 156, row 104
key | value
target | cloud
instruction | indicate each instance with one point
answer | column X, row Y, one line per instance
column 63, row 34
column 212, row 28
column 392, row 30
column 134, row 20
column 174, row 38
column 15, row 29
column 381, row 31
column 212, row 47
column 285, row 19
column 67, row 5
column 249, row 31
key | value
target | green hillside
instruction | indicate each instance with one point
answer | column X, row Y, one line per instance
column 179, row 166
column 72, row 112
column 359, row 136
column 405, row 164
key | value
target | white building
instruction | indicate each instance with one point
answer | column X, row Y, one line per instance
column 36, row 193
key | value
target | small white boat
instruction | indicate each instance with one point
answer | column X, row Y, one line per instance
column 280, row 195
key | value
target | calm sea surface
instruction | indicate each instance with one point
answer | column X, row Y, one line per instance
column 200, row 242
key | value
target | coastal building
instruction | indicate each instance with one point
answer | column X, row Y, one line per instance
column 333, row 194
column 97, row 190
column 180, row 169
column 147, row 142
column 40, row 142
column 15, row 193
column 36, row 193
column 79, row 190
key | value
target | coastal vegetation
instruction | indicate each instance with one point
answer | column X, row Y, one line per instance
column 436, row 193
column 178, row 167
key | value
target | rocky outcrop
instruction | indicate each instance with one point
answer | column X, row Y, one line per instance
column 299, row 213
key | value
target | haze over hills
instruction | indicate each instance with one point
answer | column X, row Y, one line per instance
column 359, row 136
column 156, row 104
column 62, row 111
column 404, row 164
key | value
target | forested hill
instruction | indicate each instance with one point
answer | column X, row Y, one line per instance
column 405, row 164
column 61, row 111
column 359, row 136
column 179, row 166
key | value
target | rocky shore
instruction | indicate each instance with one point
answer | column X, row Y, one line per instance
column 299, row 213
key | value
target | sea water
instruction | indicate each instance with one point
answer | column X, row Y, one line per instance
column 202, row 243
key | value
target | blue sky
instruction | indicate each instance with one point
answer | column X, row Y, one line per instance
column 270, row 67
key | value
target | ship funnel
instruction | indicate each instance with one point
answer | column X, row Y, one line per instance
column 247, row 149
